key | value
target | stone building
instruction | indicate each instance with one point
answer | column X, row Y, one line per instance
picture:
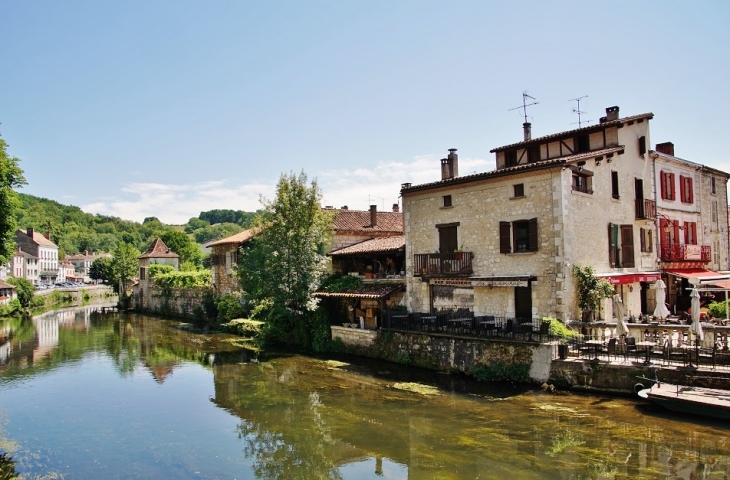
column 692, row 224
column 224, row 257
column 41, row 247
column 82, row 263
column 354, row 226
column 504, row 242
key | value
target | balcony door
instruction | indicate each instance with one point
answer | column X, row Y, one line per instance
column 448, row 241
column 523, row 302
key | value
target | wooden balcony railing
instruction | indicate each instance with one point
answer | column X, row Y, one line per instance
column 674, row 252
column 645, row 209
column 442, row 263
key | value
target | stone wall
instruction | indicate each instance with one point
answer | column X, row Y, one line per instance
column 185, row 303
column 354, row 336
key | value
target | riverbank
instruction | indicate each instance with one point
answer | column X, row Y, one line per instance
column 71, row 297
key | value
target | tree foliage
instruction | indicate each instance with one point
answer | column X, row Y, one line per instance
column 125, row 264
column 24, row 290
column 181, row 244
column 11, row 177
column 239, row 217
column 194, row 279
column 102, row 269
column 591, row 290
column 216, row 232
column 284, row 264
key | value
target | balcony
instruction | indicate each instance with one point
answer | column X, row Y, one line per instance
column 675, row 252
column 457, row 263
column 645, row 209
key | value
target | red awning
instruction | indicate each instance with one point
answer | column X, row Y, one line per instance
column 624, row 278
column 704, row 276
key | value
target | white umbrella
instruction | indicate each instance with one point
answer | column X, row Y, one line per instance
column 661, row 310
column 618, row 311
column 696, row 326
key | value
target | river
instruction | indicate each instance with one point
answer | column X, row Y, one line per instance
column 85, row 395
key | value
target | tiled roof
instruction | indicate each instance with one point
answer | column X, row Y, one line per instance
column 23, row 254
column 375, row 245
column 4, row 284
column 367, row 290
column 240, row 237
column 158, row 249
column 518, row 168
column 359, row 221
column 91, row 256
column 596, row 127
column 39, row 239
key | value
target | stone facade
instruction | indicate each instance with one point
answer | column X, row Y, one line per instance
column 184, row 303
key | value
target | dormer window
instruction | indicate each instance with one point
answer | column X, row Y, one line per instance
column 582, row 143
column 533, row 154
column 510, row 158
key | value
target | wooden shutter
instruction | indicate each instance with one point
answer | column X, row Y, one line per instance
column 627, row 246
column 642, row 239
column 532, row 234
column 448, row 239
column 663, row 183
column 672, row 191
column 505, row 245
column 649, row 241
column 683, row 189
column 611, row 246
column 690, row 192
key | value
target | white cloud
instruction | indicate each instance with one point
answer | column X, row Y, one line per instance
column 356, row 187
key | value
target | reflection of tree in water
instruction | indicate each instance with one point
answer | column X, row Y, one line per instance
column 7, row 467
column 303, row 449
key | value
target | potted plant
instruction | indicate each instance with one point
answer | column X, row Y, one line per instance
column 591, row 291
column 562, row 332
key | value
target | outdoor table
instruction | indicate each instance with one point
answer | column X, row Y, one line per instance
column 460, row 323
column 595, row 344
column 648, row 346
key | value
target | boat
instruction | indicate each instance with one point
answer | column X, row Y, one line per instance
column 706, row 402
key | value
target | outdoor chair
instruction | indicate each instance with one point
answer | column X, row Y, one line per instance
column 630, row 348
column 609, row 349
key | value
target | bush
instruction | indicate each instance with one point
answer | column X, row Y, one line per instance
column 243, row 327
column 197, row 279
column 228, row 307
column 718, row 309
column 559, row 329
column 502, row 372
column 158, row 269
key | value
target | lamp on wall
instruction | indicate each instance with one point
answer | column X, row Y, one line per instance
column 671, row 224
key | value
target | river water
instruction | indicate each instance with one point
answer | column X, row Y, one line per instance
column 84, row 395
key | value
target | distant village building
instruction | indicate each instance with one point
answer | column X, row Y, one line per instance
column 158, row 253
column 7, row 292
column 224, row 259
column 41, row 247
column 82, row 263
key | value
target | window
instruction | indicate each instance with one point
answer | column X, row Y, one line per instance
column 713, row 186
column 448, row 237
column 582, row 181
column 621, row 245
column 510, row 158
column 642, row 145
column 686, row 191
column 582, row 143
column 447, row 200
column 690, row 233
column 614, row 185
column 646, row 240
column 142, row 273
column 518, row 236
column 533, row 153
column 666, row 181
column 714, row 214
column 519, row 190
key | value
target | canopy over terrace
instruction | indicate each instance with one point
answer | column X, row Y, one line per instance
column 684, row 279
column 366, row 301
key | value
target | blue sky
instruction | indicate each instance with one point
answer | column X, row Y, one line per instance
column 165, row 108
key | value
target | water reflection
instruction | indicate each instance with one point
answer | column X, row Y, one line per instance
column 290, row 416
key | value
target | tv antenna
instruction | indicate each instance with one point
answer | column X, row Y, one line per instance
column 382, row 199
column 578, row 110
column 524, row 106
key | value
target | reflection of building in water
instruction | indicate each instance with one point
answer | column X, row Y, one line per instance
column 46, row 330
column 5, row 350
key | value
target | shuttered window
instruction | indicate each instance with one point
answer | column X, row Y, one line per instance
column 686, row 189
column 621, row 245
column 666, row 181
column 518, row 236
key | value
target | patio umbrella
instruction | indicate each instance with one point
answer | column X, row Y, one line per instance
column 618, row 310
column 661, row 310
column 696, row 326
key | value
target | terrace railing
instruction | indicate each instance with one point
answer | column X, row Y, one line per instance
column 442, row 263
column 679, row 252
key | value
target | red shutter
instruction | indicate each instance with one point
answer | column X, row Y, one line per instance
column 663, row 182
column 694, row 233
column 690, row 193
column 672, row 191
column 682, row 189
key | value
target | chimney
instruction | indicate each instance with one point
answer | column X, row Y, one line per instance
column 47, row 235
column 405, row 185
column 344, row 207
column 666, row 148
column 611, row 113
column 373, row 215
column 527, row 129
column 29, row 231
column 450, row 165
column 396, row 208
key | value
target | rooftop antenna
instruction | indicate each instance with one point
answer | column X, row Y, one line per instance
column 578, row 110
column 370, row 201
column 524, row 106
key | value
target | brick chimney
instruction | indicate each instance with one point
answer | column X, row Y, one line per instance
column 450, row 165
column 344, row 207
column 667, row 148
column 29, row 231
column 373, row 215
column 47, row 235
column 396, row 208
column 611, row 113
column 527, row 130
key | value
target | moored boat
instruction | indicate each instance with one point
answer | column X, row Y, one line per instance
column 707, row 402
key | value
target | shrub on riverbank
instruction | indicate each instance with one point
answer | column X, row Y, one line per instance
column 244, row 327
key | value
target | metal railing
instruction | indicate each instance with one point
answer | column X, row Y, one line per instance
column 679, row 252
column 468, row 325
column 442, row 263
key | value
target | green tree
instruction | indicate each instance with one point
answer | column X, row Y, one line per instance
column 181, row 244
column 11, row 177
column 124, row 264
column 216, row 232
column 102, row 269
column 23, row 289
column 284, row 265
